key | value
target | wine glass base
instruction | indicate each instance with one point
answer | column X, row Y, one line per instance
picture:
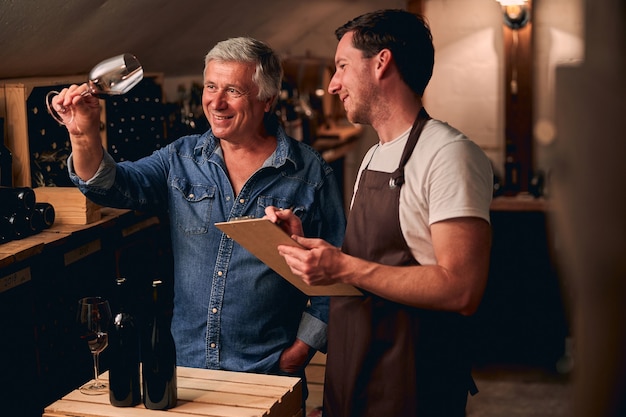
column 93, row 388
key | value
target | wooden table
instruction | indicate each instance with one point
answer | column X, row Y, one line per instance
column 201, row 392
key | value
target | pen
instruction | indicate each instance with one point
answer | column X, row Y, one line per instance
column 292, row 208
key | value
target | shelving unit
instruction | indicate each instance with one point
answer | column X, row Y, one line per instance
column 42, row 277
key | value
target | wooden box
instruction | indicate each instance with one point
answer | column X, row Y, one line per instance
column 70, row 205
column 201, row 392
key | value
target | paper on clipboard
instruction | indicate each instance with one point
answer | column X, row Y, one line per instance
column 261, row 237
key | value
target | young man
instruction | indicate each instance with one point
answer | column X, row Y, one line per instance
column 418, row 236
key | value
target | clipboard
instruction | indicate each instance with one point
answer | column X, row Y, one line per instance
column 261, row 238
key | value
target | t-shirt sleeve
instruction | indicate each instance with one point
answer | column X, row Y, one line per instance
column 460, row 182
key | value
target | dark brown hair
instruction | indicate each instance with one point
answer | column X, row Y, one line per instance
column 405, row 34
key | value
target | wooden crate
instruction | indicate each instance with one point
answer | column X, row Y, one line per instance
column 70, row 205
column 201, row 392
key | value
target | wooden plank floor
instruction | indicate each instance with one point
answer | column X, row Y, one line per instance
column 504, row 390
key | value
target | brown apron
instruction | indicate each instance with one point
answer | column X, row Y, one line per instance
column 386, row 359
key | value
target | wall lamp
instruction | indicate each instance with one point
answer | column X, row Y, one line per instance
column 516, row 13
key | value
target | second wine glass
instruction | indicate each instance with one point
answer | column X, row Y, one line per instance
column 94, row 318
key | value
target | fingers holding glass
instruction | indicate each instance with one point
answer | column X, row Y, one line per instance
column 55, row 103
column 61, row 114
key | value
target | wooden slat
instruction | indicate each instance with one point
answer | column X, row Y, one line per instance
column 315, row 373
column 22, row 249
column 92, row 408
column 519, row 203
column 318, row 359
column 17, row 133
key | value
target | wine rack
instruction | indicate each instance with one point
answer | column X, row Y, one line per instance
column 135, row 121
column 133, row 125
column 33, row 136
column 42, row 277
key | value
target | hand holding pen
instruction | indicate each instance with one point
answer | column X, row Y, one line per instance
column 286, row 219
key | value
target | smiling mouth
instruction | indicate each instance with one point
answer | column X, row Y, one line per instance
column 216, row 117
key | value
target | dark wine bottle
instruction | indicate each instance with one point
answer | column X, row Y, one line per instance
column 43, row 216
column 22, row 224
column 123, row 350
column 16, row 200
column 158, row 356
column 7, row 233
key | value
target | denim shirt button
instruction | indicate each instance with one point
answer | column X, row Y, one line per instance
column 213, row 345
column 242, row 200
column 220, row 273
column 191, row 195
column 214, row 310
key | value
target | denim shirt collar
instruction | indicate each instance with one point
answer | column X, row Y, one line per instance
column 209, row 146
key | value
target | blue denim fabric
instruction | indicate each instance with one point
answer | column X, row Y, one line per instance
column 231, row 311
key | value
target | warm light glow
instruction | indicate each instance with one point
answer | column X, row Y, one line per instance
column 512, row 2
column 516, row 13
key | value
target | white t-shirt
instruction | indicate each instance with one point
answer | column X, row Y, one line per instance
column 447, row 176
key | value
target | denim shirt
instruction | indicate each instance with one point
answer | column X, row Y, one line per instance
column 231, row 311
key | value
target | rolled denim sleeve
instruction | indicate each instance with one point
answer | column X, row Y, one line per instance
column 312, row 331
column 103, row 178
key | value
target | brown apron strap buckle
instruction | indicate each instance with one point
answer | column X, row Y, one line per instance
column 395, row 182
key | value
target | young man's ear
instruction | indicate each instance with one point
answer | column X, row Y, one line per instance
column 383, row 60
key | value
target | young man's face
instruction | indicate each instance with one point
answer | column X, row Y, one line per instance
column 353, row 81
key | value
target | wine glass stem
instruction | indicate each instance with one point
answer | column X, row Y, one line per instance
column 95, row 367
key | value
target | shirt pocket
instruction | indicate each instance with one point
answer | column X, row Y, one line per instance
column 277, row 201
column 191, row 205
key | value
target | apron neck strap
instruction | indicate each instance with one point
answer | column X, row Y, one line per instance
column 397, row 178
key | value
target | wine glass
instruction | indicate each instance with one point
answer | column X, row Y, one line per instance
column 94, row 317
column 113, row 76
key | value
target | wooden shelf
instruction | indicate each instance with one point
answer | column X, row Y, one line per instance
column 42, row 276
column 22, row 249
column 335, row 142
column 522, row 202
